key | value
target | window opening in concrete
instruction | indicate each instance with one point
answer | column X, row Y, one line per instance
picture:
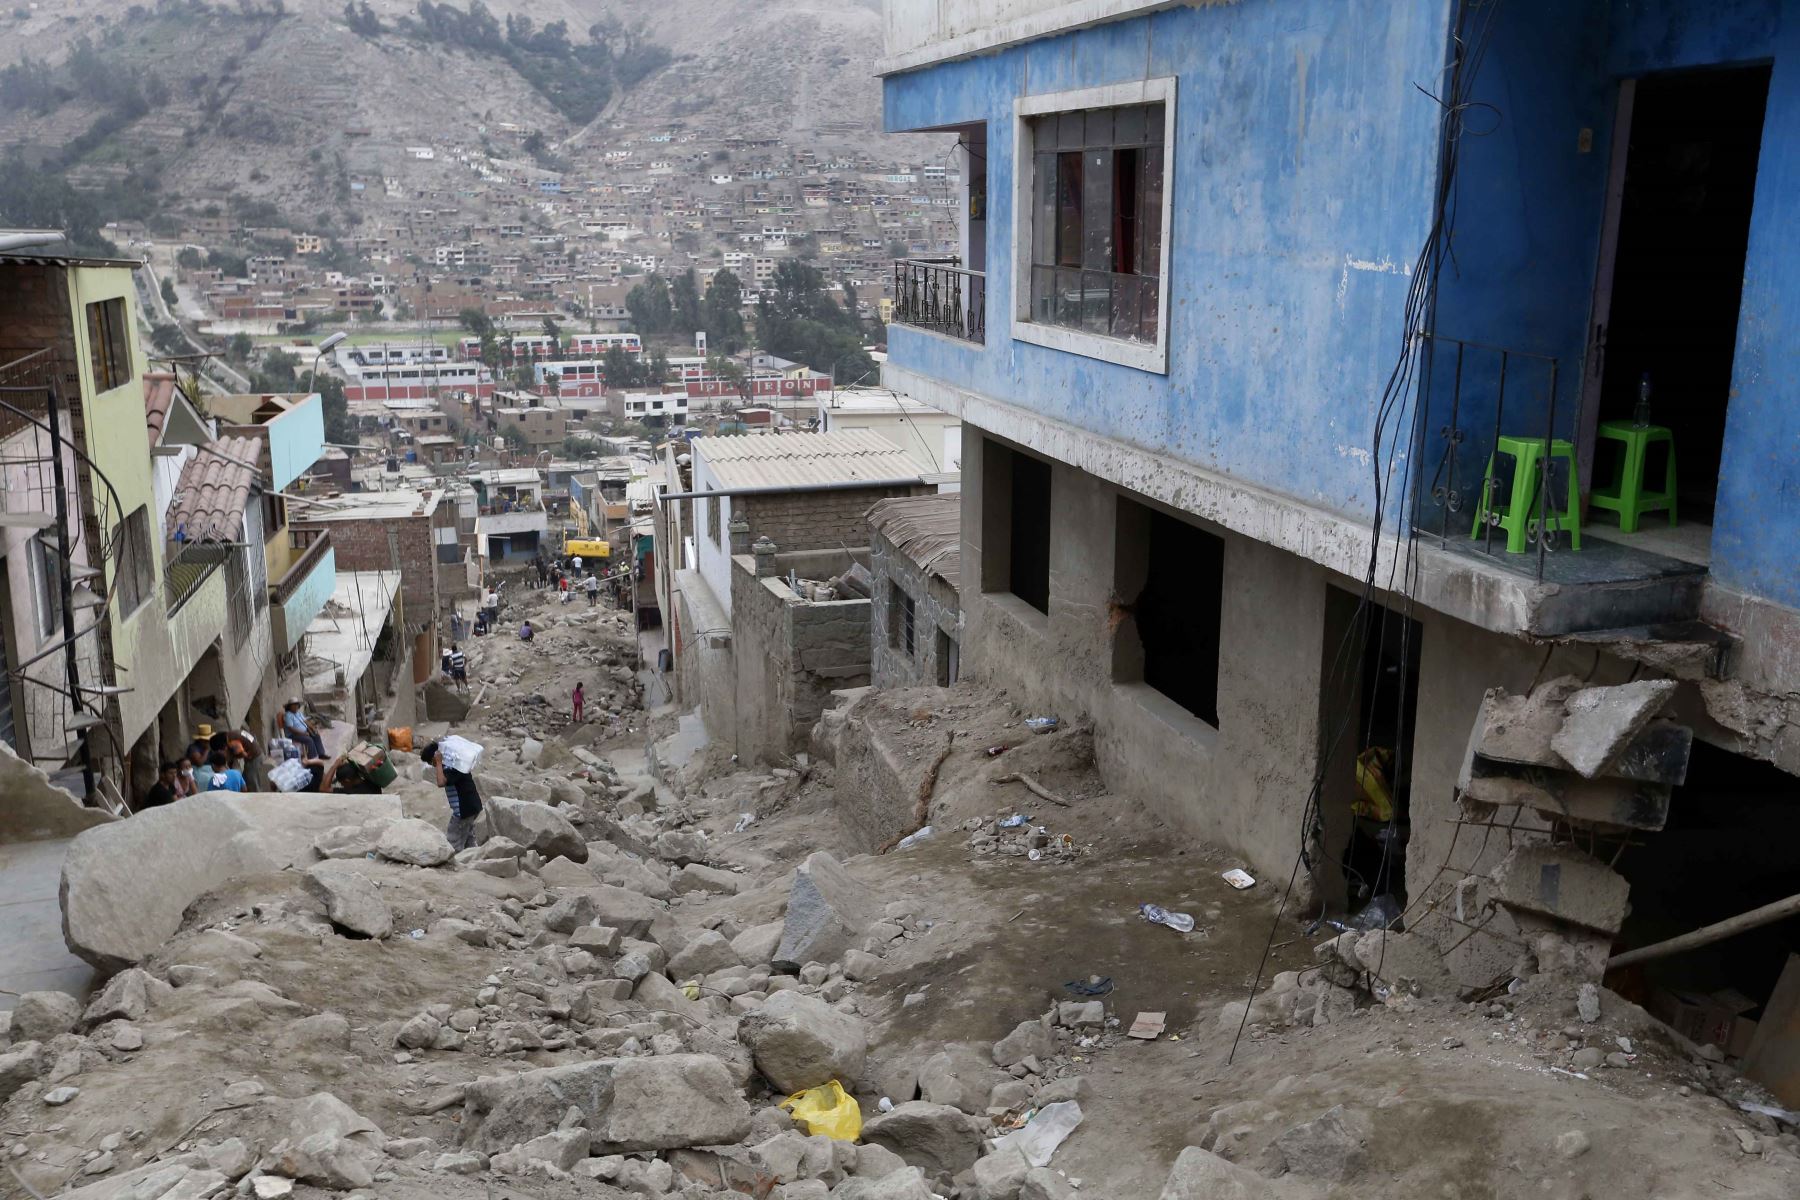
column 1371, row 677
column 948, row 668
column 1029, row 576
column 132, row 575
column 1097, row 213
column 1683, row 232
column 901, row 632
column 1168, row 583
column 108, row 345
column 1727, row 848
column 712, row 519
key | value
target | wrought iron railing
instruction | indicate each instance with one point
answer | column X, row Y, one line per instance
column 1471, row 395
column 941, row 297
column 191, row 566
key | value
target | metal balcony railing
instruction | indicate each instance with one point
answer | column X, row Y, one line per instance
column 1472, row 395
column 941, row 297
column 186, row 570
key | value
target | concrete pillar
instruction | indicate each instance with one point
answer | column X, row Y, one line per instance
column 764, row 550
column 740, row 535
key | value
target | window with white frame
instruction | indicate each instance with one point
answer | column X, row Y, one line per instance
column 1092, row 221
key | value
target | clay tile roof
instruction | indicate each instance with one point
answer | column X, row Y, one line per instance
column 209, row 500
column 159, row 394
column 927, row 529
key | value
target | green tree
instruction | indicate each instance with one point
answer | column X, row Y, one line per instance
column 684, row 298
column 623, row 370
column 168, row 292
column 724, row 318
column 797, row 319
column 553, row 331
column 651, row 310
column 168, row 339
column 191, row 258
column 239, row 348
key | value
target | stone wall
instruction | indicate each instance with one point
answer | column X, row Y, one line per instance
column 936, row 608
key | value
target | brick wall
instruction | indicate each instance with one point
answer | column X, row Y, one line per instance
column 362, row 545
column 816, row 520
column 935, row 608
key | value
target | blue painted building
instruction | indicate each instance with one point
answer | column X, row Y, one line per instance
column 1247, row 293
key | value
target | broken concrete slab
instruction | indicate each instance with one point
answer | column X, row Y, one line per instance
column 125, row 884
column 1405, row 962
column 1561, row 882
column 36, row 809
column 1564, row 795
column 1602, row 721
column 536, row 827
column 628, row 1105
column 827, row 912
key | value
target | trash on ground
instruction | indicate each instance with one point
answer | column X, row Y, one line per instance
column 1179, row 922
column 914, row 838
column 1038, row 1139
column 1239, row 878
column 1378, row 913
column 826, row 1109
column 1148, row 1026
column 1093, row 985
column 1014, row 821
column 743, row 822
column 1041, row 724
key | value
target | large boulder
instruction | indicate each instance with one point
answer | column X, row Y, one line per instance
column 827, row 912
column 706, row 952
column 40, row 1016
column 352, row 901
column 908, row 1183
column 418, row 843
column 934, row 1137
column 20, row 1065
column 1201, row 1175
column 1333, row 1145
column 959, row 1076
column 627, row 1104
column 536, row 827
column 1027, row 1039
column 625, row 911
column 126, row 884
column 799, row 1042
column 126, row 997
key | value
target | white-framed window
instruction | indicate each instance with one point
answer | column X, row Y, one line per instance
column 1091, row 220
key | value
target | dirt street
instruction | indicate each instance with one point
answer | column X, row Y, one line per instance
column 611, row 995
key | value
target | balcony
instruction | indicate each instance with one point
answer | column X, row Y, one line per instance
column 299, row 593
column 1471, row 396
column 941, row 297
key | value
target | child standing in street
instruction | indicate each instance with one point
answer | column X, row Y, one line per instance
column 580, row 699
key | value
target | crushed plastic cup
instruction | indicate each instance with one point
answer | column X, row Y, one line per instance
column 743, row 822
column 914, row 838
column 1179, row 922
column 1014, row 821
column 885, row 1105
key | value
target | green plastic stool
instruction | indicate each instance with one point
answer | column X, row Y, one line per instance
column 1627, row 496
column 1518, row 516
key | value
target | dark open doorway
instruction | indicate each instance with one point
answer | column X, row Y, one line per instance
column 1371, row 673
column 1682, row 228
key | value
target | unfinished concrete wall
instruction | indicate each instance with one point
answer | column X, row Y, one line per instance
column 936, row 609
column 814, row 520
column 790, row 654
column 705, row 657
column 1243, row 783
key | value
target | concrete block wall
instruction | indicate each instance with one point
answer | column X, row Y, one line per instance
column 936, row 608
column 362, row 545
column 815, row 520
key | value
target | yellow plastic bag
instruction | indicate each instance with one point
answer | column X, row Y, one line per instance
column 828, row 1110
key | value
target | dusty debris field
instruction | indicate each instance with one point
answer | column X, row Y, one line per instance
column 612, row 995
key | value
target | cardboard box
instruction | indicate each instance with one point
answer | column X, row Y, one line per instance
column 1705, row 1020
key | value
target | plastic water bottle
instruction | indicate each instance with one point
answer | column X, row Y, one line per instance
column 1179, row 922
column 1640, row 416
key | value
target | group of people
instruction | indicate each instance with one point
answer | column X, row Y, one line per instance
column 216, row 761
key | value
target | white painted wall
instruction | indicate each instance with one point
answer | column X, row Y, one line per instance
column 923, row 31
column 714, row 558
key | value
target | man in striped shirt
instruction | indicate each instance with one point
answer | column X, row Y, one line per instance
column 459, row 668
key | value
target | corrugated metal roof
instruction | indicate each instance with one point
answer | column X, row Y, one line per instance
column 802, row 459
column 209, row 500
column 927, row 529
